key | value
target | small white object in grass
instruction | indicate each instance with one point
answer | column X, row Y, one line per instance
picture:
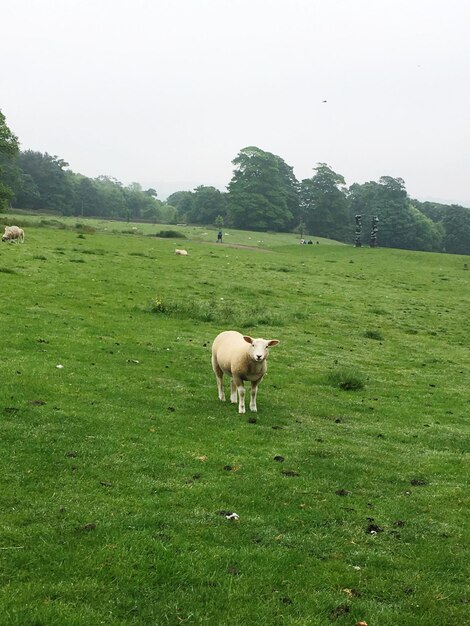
column 60, row 367
column 232, row 516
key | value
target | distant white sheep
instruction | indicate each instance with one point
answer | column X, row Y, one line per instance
column 181, row 252
column 242, row 358
column 13, row 233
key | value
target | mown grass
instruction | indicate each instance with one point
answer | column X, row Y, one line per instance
column 115, row 465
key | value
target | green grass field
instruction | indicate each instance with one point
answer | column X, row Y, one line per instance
column 352, row 503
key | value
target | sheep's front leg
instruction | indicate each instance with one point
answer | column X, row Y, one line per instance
column 254, row 391
column 241, row 393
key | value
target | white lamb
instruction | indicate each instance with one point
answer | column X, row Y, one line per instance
column 242, row 358
column 181, row 252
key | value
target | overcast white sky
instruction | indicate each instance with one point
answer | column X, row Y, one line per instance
column 167, row 92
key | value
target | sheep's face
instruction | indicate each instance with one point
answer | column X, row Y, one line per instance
column 259, row 348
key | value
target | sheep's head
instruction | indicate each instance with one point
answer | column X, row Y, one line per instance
column 259, row 348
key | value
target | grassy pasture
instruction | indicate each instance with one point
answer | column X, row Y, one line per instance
column 115, row 466
column 195, row 233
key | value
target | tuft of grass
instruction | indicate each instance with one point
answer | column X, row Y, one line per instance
column 346, row 379
column 7, row 270
column 374, row 334
column 86, row 251
column 85, row 229
column 216, row 311
column 170, row 234
column 52, row 223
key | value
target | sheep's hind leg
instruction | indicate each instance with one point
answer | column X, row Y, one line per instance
column 233, row 392
column 219, row 375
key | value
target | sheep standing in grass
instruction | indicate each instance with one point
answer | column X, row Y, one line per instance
column 242, row 358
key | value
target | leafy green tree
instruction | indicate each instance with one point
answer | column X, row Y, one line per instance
column 54, row 186
column 207, row 203
column 457, row 230
column 219, row 221
column 401, row 225
column 8, row 151
column 112, row 202
column 183, row 202
column 253, row 211
column 26, row 191
column 324, row 204
column 263, row 192
column 140, row 203
column 425, row 234
column 168, row 214
column 11, row 175
column 387, row 200
column 87, row 197
column 434, row 210
column 291, row 191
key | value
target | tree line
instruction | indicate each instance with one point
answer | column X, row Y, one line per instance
column 262, row 195
column 39, row 181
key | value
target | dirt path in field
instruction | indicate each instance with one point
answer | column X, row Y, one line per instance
column 237, row 245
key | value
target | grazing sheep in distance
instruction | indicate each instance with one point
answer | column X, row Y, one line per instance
column 242, row 358
column 13, row 233
column 181, row 252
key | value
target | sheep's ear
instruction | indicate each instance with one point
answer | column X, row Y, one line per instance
column 273, row 342
column 248, row 339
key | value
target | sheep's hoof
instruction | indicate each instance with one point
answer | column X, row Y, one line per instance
column 254, row 409
column 241, row 410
